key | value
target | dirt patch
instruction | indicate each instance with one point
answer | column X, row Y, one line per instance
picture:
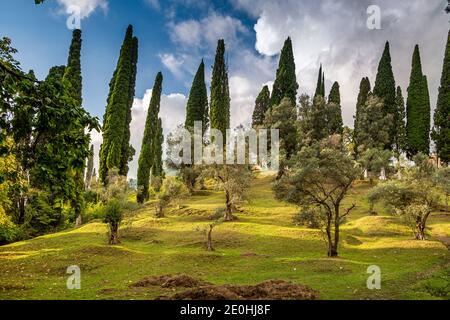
column 353, row 241
column 444, row 240
column 268, row 290
column 171, row 281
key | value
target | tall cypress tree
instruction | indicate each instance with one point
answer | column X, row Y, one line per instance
column 72, row 74
column 128, row 151
column 220, row 92
column 319, row 84
column 285, row 85
column 385, row 89
column 157, row 168
column 418, row 109
column 115, row 151
column 336, row 123
column 262, row 104
column 322, row 89
column 399, row 121
column 147, row 155
column 364, row 92
column 441, row 130
column 197, row 105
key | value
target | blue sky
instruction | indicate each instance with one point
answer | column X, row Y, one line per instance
column 175, row 35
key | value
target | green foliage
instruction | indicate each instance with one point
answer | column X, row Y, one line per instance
column 364, row 92
column 320, row 84
column 285, row 85
column 220, row 92
column 335, row 122
column 418, row 109
column 385, row 89
column 115, row 151
column 90, row 168
column 374, row 160
column 197, row 105
column 373, row 126
column 172, row 191
column 150, row 157
column 400, row 144
column 310, row 217
column 262, row 104
column 441, row 130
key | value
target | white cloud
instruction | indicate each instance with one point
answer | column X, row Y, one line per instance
column 85, row 7
column 172, row 63
column 154, row 4
column 205, row 32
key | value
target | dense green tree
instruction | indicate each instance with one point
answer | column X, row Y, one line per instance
column 364, row 92
column 115, row 151
column 147, row 155
column 335, row 113
column 399, row 121
column 220, row 92
column 385, row 89
column 418, row 109
column 320, row 89
column 285, row 85
column 157, row 168
column 197, row 105
column 262, row 104
column 441, row 130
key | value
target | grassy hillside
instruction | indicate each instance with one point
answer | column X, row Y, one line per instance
column 262, row 244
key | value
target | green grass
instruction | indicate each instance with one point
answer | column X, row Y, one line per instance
column 263, row 244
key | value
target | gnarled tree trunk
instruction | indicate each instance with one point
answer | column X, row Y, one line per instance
column 114, row 233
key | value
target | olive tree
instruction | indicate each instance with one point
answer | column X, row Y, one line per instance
column 172, row 191
column 319, row 177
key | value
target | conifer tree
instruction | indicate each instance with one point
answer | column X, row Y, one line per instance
column 285, row 85
column 262, row 104
column 147, row 155
column 220, row 92
column 197, row 105
column 399, row 121
column 319, row 84
column 157, row 168
column 336, row 123
column 418, row 109
column 385, row 89
column 441, row 130
column 115, row 151
column 364, row 92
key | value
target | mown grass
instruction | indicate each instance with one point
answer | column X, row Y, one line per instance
column 262, row 244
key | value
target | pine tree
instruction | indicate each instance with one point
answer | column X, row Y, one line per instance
column 220, row 92
column 115, row 151
column 147, row 155
column 336, row 123
column 197, row 105
column 441, row 130
column 418, row 109
column 385, row 89
column 364, row 92
column 262, row 104
column 285, row 85
column 90, row 169
column 399, row 122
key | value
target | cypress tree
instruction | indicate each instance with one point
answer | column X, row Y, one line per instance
column 441, row 130
column 56, row 73
column 322, row 89
column 399, row 122
column 285, row 85
column 147, row 155
column 364, row 92
column 115, row 151
column 262, row 104
column 319, row 84
column 418, row 109
column 335, row 115
column 128, row 151
column 220, row 92
column 197, row 105
column 90, row 168
column 72, row 74
column 157, row 168
column 385, row 89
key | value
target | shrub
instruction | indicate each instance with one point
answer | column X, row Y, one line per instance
column 113, row 217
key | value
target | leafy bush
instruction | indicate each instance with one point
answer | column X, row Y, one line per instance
column 41, row 216
column 113, row 217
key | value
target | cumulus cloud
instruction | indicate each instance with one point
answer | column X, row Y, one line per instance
column 84, row 7
column 172, row 63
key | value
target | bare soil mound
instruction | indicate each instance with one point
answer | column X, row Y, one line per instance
column 171, row 281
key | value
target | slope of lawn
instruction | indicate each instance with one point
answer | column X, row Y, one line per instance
column 262, row 244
